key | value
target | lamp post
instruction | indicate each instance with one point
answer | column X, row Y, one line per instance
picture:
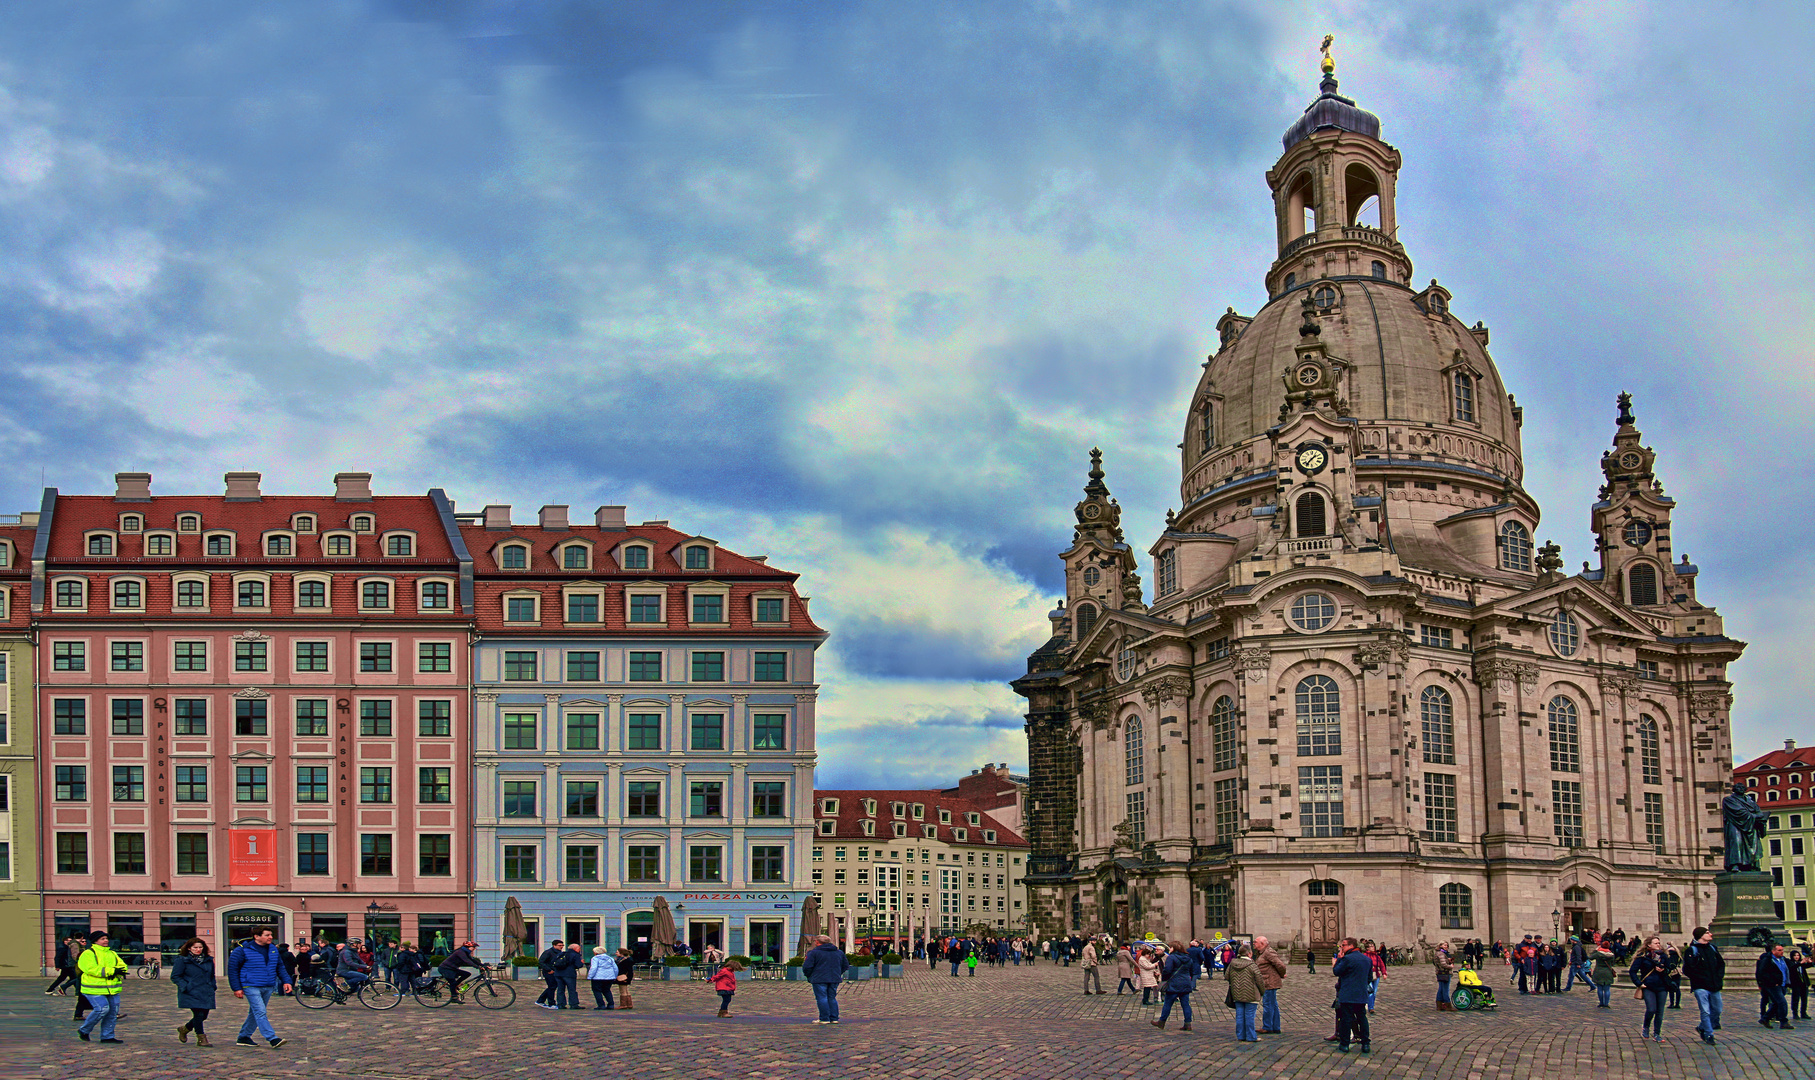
column 1556, row 924
column 680, row 925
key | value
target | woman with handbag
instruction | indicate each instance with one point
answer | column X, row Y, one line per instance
column 1147, row 974
column 1245, row 992
column 1652, row 974
column 1604, row 974
column 625, row 963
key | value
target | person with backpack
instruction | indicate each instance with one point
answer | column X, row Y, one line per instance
column 1706, row 970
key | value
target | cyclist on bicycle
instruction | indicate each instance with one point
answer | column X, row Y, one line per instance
column 461, row 957
column 350, row 967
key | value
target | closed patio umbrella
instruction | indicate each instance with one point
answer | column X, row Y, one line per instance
column 662, row 933
column 809, row 923
column 516, row 932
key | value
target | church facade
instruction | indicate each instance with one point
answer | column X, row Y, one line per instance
column 1361, row 699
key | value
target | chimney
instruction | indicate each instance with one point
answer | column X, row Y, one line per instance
column 352, row 487
column 552, row 517
column 132, row 487
column 609, row 517
column 1789, row 744
column 242, row 486
column 497, row 517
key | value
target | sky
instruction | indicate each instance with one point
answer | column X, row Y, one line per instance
column 858, row 285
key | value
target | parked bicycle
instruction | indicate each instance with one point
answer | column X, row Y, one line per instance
column 152, row 968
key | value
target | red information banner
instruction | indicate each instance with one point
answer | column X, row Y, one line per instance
column 252, row 857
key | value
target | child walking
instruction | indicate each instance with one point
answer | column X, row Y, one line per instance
column 970, row 964
column 725, row 982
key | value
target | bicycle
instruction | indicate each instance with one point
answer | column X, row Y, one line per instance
column 482, row 989
column 380, row 994
column 318, row 992
column 151, row 969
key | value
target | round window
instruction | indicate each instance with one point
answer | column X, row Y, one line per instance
column 1091, row 576
column 1313, row 611
column 1324, row 297
column 1565, row 633
column 1637, row 533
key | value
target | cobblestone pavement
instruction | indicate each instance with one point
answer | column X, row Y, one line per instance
column 1013, row 1022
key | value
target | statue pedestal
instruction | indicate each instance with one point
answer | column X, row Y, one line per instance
column 1743, row 913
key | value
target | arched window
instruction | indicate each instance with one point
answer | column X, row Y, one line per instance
column 100, row 545
column 1323, row 888
column 1301, row 208
column 1575, row 894
column 699, row 558
column 1361, row 194
column 1770, row 796
column 1134, row 760
column 1087, row 618
column 1319, row 705
column 1165, row 572
column 1565, row 633
column 1436, row 716
column 1641, row 585
column 1379, row 270
column 1456, row 907
column 1565, row 736
column 1224, row 754
column 573, row 557
column 1209, row 427
column 1651, row 767
column 1308, row 514
column 516, row 557
column 1464, row 396
column 1291, row 280
column 1669, row 913
column 1515, row 547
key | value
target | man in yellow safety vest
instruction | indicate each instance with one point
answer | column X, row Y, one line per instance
column 103, row 973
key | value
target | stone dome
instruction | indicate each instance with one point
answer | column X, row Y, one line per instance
column 1331, row 110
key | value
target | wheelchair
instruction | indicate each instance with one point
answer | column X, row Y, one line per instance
column 1469, row 992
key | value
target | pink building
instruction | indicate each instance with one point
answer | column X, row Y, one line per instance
column 252, row 711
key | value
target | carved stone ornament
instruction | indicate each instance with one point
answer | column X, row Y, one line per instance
column 251, row 635
column 1252, row 659
column 1502, row 673
column 1709, row 702
column 1097, row 712
column 252, row 693
column 486, row 699
column 1392, row 648
column 1124, row 836
column 1166, row 688
column 1620, row 682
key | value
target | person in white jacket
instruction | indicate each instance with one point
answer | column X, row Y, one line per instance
column 602, row 972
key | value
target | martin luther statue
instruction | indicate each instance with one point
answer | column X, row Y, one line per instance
column 1745, row 830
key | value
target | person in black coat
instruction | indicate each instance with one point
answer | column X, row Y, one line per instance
column 1353, row 971
column 1773, row 977
column 546, row 965
column 66, row 970
column 291, row 961
column 193, row 974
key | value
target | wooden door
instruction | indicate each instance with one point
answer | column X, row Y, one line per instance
column 1326, row 924
column 1121, row 920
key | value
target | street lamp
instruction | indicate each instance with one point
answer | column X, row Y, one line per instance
column 1556, row 924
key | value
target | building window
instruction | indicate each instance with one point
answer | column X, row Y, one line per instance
column 768, row 799
column 768, row 609
column 131, row 523
column 375, row 656
column 1669, row 913
column 375, row 595
column 251, row 594
column 520, row 731
column 1134, row 759
column 375, row 855
column 519, row 862
column 583, row 798
column 1654, row 820
column 339, row 545
column 158, row 545
column 582, row 859
column 399, row 545
column 374, row 784
column 706, row 799
column 1228, row 811
column 191, row 716
column 645, row 667
column 699, row 558
column 249, row 716
column 312, row 717
column 644, row 731
column 520, row 667
column 1641, row 585
column 1319, row 706
column 1456, row 907
column 1308, row 515
column 70, row 716
column 435, row 855
column 311, row 783
column 71, row 594
column 311, row 594
column 191, row 594
column 705, row 862
column 1651, row 765
column 311, row 656
column 573, row 557
column 129, row 783
column 583, row 667
column 583, row 608
column 1313, row 611
column 1440, row 823
column 435, row 594
column 311, row 853
column 220, row 544
column 1437, row 722
column 434, row 785
column 251, row 784
column 768, row 731
column 1087, row 618
column 1566, row 808
column 435, row 718
column 643, row 799
column 1224, row 752
column 708, row 608
column 766, row 864
column 1647, row 669
column 192, row 853
column 708, row 731
column 643, row 863
column 1217, row 896
column 708, row 667
column 1320, row 800
column 129, row 853
column 636, row 557
column 1565, row 633
column 69, row 656
column 434, row 656
column 771, row 667
column 249, row 655
column 375, row 719
column 1436, row 637
column 128, row 594
column 1136, row 820
column 192, row 656
column 72, row 783
column 520, row 798
column 1515, row 547
column 582, row 731
column 277, row 545
column 520, row 609
column 1565, row 736
column 1166, row 572
column 1463, row 396
column 72, row 853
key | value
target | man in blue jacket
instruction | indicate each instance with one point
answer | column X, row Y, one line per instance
column 254, row 972
column 1354, row 971
column 824, row 967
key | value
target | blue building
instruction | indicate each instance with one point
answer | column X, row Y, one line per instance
column 643, row 727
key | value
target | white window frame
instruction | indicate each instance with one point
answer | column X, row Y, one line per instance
column 648, row 554
column 561, row 554
column 583, row 588
column 646, row 588
column 352, row 543
column 232, row 543
column 205, row 580
column 304, row 523
column 532, row 595
column 679, row 552
column 137, row 519
column 384, row 543
column 296, row 585
column 264, row 544
column 82, row 581
column 359, row 592
column 144, row 593
column 362, row 523
column 452, row 592
column 529, row 556
column 194, row 522
column 252, row 575
column 151, row 534
column 719, row 589
column 113, row 543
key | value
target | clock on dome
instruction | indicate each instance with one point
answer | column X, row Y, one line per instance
column 1312, row 459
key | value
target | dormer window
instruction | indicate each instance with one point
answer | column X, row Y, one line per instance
column 699, row 557
column 1462, row 396
column 869, row 807
column 6, row 554
column 919, row 811
column 400, row 544
column 337, row 544
column 304, row 523
column 514, row 557
column 132, row 523
column 576, row 557
column 929, row 831
column 945, row 817
column 362, row 523
column 188, row 523
column 989, row 836
column 100, row 544
column 375, row 595
column 636, row 557
column 900, row 830
column 1515, row 547
column 828, row 806
column 869, row 828
column 160, row 544
column 220, row 543
column 277, row 545
column 960, row 835
column 897, row 809
column 974, row 819
column 1166, row 571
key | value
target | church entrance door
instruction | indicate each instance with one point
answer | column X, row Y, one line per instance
column 1326, row 924
column 1121, row 920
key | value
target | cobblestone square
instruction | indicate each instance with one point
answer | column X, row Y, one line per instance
column 1014, row 1022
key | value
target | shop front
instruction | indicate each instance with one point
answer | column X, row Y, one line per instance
column 152, row 925
column 746, row 923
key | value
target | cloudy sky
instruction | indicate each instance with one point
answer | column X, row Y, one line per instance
column 858, row 285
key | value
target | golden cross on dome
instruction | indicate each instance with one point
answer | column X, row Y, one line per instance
column 1329, row 62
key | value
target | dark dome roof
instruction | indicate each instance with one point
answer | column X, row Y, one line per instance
column 1332, row 111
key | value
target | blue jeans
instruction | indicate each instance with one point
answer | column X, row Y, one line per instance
column 955, row 968
column 1443, row 991
column 257, row 997
column 1571, row 981
column 825, row 995
column 1184, row 1004
column 1373, row 988
column 1708, row 1001
column 1244, row 1021
column 106, row 1013
column 1605, row 993
column 1654, row 1013
column 1269, row 1010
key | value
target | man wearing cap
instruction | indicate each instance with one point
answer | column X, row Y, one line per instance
column 103, row 974
column 255, row 971
column 351, row 966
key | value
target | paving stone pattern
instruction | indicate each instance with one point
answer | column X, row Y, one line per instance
column 1014, row 1022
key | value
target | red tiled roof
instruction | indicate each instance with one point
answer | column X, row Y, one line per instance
column 851, row 815
column 15, row 577
column 1773, row 766
column 481, row 542
column 76, row 515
